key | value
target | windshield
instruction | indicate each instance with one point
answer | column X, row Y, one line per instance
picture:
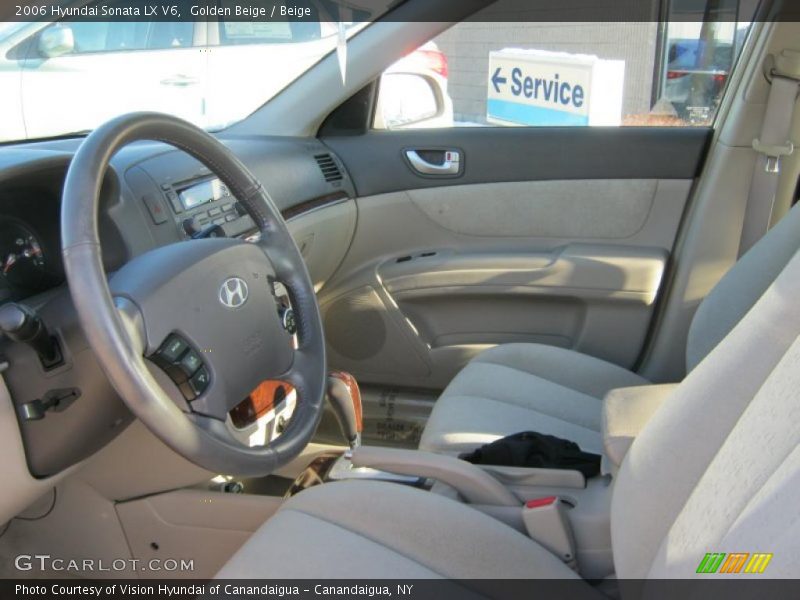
column 70, row 76
column 7, row 28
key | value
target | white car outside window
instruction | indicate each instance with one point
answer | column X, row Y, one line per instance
column 70, row 76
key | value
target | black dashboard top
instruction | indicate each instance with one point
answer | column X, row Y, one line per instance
column 144, row 201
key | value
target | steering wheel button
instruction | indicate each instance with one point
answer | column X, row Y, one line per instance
column 172, row 349
column 190, row 362
column 289, row 321
column 199, row 382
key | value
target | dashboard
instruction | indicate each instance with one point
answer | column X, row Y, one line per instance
column 153, row 195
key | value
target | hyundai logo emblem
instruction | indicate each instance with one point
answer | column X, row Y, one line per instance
column 233, row 292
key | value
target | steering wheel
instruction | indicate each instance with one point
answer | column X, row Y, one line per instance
column 212, row 296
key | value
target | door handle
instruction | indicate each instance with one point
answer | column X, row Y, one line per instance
column 451, row 165
column 180, row 81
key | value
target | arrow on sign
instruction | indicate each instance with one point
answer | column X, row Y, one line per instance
column 497, row 81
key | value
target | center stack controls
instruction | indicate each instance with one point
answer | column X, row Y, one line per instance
column 202, row 203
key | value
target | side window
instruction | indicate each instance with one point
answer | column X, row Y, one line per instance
column 121, row 36
column 76, row 37
column 274, row 32
column 564, row 74
column 698, row 60
column 90, row 37
column 168, row 34
column 87, row 36
column 277, row 30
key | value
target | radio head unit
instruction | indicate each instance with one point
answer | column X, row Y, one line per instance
column 202, row 202
column 201, row 193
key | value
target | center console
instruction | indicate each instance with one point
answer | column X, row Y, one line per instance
column 560, row 509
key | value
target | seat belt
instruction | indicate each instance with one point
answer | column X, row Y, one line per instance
column 773, row 144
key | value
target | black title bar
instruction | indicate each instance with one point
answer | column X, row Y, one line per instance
column 708, row 588
column 358, row 11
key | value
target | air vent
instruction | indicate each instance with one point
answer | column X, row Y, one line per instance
column 330, row 170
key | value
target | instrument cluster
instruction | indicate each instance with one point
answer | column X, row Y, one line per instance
column 27, row 264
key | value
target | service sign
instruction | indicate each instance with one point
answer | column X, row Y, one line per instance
column 532, row 87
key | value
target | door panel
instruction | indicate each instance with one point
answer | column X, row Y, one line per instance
column 440, row 270
column 591, row 208
column 596, row 299
column 492, row 155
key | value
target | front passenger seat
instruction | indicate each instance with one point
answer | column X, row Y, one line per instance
column 533, row 387
column 716, row 470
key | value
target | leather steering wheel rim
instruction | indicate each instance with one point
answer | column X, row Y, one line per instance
column 126, row 325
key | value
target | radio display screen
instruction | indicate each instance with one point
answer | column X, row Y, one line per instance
column 201, row 194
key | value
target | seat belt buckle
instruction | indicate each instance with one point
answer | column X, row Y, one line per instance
column 773, row 154
column 547, row 523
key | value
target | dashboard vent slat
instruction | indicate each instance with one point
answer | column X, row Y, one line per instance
column 330, row 170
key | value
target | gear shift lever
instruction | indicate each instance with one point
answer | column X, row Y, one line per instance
column 345, row 398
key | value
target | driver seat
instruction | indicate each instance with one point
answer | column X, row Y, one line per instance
column 717, row 469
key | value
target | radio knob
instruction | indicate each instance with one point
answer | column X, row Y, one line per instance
column 190, row 226
column 240, row 209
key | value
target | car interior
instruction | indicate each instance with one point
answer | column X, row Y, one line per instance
column 269, row 348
